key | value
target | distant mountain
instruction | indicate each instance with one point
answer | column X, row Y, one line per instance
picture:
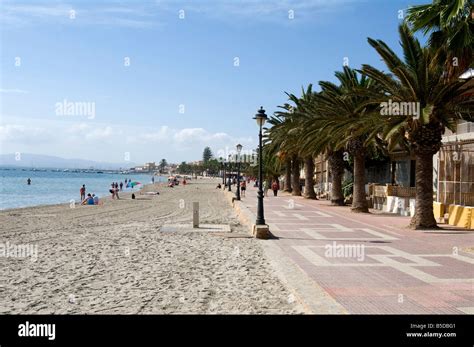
column 48, row 161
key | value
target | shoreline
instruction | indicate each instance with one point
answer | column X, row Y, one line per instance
column 101, row 198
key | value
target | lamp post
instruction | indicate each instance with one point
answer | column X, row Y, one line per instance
column 239, row 149
column 230, row 170
column 260, row 117
column 223, row 170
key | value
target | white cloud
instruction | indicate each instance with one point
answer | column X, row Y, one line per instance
column 92, row 140
column 17, row 133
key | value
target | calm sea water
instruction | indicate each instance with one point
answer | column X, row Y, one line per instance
column 50, row 187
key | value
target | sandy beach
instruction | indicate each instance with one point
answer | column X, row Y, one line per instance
column 114, row 259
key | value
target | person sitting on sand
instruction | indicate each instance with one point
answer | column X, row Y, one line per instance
column 219, row 186
column 96, row 199
column 89, row 200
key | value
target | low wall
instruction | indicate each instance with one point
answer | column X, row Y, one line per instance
column 403, row 206
column 244, row 215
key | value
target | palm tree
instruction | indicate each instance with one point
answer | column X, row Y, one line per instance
column 442, row 102
column 451, row 27
column 283, row 139
column 320, row 143
column 336, row 167
column 273, row 140
column 289, row 124
column 338, row 110
column 300, row 116
column 163, row 163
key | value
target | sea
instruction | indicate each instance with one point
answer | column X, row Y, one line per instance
column 54, row 186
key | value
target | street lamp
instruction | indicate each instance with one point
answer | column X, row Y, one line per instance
column 230, row 170
column 223, row 169
column 239, row 149
column 260, row 117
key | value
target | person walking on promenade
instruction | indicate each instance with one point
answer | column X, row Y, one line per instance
column 83, row 192
column 265, row 187
column 243, row 188
column 275, row 188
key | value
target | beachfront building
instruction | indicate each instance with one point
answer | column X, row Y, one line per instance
column 454, row 172
column 150, row 167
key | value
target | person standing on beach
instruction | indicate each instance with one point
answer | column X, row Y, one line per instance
column 83, row 192
column 121, row 185
column 112, row 190
column 28, row 181
column 153, row 179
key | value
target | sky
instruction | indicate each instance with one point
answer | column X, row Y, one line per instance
column 144, row 80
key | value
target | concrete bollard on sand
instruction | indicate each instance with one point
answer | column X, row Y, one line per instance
column 195, row 214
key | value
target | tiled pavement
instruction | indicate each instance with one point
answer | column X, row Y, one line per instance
column 373, row 263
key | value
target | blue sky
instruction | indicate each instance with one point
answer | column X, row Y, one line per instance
column 197, row 72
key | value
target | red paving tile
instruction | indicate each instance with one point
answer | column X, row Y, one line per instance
column 402, row 271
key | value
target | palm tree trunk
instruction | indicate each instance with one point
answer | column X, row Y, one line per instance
column 336, row 167
column 309, row 192
column 424, row 217
column 295, row 171
column 288, row 176
column 359, row 202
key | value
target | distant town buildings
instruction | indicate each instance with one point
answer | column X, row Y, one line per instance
column 151, row 167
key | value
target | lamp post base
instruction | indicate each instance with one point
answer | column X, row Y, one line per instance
column 261, row 231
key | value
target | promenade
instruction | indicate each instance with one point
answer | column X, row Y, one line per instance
column 335, row 261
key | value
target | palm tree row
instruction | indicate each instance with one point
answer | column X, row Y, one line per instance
column 347, row 119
